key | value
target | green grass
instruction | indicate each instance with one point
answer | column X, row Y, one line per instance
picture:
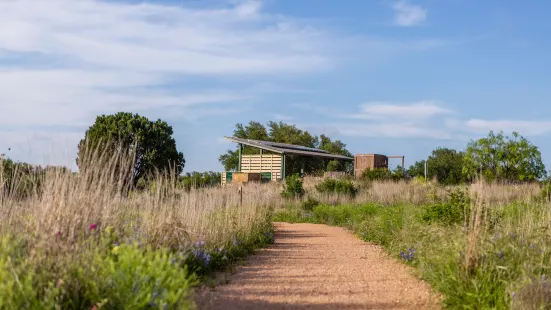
column 509, row 268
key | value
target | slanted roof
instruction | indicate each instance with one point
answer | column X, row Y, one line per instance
column 284, row 148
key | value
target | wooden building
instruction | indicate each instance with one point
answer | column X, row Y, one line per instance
column 371, row 161
column 269, row 163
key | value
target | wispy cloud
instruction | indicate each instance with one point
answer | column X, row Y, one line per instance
column 385, row 130
column 418, row 119
column 414, row 111
column 71, row 60
column 282, row 117
column 407, row 15
column 523, row 127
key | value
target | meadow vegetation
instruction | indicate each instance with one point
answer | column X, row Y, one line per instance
column 91, row 240
column 130, row 231
column 482, row 245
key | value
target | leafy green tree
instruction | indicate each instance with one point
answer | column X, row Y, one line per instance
column 155, row 149
column 200, row 179
column 285, row 133
column 444, row 164
column 501, row 158
column 19, row 179
column 339, row 148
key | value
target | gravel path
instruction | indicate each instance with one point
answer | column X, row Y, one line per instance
column 314, row 266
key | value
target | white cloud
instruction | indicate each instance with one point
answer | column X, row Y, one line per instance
column 387, row 110
column 521, row 126
column 389, row 130
column 408, row 15
column 281, row 117
column 77, row 59
column 41, row 147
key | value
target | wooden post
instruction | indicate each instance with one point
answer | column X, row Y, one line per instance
column 240, row 190
column 283, row 166
column 240, row 154
column 426, row 169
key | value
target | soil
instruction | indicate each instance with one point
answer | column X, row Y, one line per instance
column 314, row 266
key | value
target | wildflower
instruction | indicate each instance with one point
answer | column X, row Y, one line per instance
column 236, row 242
column 501, row 254
column 409, row 256
column 93, row 226
column 115, row 250
column 59, row 234
column 199, row 243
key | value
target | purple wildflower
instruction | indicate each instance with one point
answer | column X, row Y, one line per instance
column 409, row 256
column 93, row 226
column 236, row 242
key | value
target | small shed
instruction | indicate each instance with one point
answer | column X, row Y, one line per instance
column 368, row 161
column 271, row 166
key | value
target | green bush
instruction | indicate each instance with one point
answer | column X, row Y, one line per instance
column 20, row 285
column 453, row 211
column 133, row 278
column 341, row 187
column 546, row 191
column 293, row 187
column 309, row 203
column 377, row 174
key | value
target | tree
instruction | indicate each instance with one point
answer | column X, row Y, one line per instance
column 285, row 133
column 501, row 158
column 335, row 147
column 444, row 164
column 155, row 149
column 200, row 179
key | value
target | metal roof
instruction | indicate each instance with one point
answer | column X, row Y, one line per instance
column 284, row 148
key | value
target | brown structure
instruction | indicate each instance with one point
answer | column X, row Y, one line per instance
column 368, row 161
column 371, row 161
column 244, row 177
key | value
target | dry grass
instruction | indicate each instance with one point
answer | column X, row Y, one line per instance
column 389, row 192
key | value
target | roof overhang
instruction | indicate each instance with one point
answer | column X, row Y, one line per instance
column 259, row 145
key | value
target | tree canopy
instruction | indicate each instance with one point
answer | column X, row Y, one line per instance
column 155, row 148
column 444, row 164
column 501, row 158
column 285, row 133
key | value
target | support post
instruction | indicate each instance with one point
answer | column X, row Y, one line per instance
column 283, row 166
column 426, row 169
column 240, row 155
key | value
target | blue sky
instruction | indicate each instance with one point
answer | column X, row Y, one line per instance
column 384, row 76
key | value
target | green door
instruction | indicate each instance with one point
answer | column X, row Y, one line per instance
column 265, row 176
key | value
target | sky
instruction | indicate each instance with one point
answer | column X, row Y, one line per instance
column 392, row 77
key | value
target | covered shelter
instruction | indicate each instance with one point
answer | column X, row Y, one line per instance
column 271, row 165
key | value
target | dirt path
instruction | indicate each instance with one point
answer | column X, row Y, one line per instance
column 319, row 267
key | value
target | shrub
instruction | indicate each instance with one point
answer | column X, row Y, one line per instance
column 134, row 278
column 20, row 286
column 341, row 187
column 377, row 174
column 546, row 191
column 309, row 203
column 452, row 211
column 383, row 174
column 293, row 187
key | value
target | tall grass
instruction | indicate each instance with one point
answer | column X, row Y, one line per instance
column 85, row 239
column 482, row 245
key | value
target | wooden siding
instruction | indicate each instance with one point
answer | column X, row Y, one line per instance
column 369, row 161
column 262, row 163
